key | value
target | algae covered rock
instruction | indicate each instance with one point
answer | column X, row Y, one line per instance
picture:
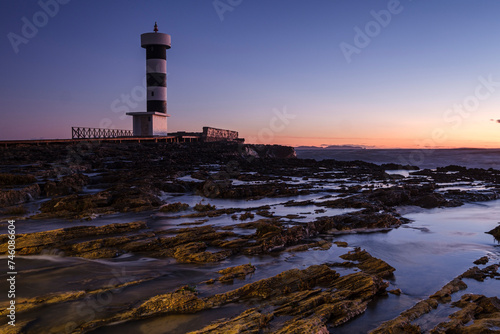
column 235, row 272
column 368, row 263
column 194, row 252
column 251, row 321
column 68, row 240
column 477, row 314
column 182, row 301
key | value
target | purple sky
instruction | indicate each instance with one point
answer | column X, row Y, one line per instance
column 376, row 73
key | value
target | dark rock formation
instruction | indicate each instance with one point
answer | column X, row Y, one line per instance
column 15, row 197
column 69, row 184
column 495, row 232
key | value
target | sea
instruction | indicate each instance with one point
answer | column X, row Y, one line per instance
column 423, row 158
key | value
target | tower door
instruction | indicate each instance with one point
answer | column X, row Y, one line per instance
column 145, row 125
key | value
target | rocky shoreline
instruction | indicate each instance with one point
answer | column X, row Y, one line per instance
column 83, row 184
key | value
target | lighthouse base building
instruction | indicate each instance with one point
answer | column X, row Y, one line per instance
column 149, row 124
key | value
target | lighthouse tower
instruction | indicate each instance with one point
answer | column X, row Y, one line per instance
column 153, row 122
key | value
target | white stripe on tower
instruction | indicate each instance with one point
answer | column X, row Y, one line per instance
column 157, row 93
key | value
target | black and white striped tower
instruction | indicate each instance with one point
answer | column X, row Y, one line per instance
column 153, row 122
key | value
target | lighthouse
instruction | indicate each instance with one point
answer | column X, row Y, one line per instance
column 153, row 122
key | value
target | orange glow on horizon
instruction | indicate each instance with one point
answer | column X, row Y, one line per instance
column 376, row 143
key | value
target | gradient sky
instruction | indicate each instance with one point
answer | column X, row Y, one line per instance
column 428, row 76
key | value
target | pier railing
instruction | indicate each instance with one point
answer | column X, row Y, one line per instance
column 88, row 133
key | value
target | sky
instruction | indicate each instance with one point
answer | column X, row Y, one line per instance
column 375, row 73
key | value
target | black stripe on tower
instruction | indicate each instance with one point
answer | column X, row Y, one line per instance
column 156, row 79
column 158, row 106
column 156, row 52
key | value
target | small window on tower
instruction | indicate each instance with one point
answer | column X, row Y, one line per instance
column 152, row 93
column 149, row 118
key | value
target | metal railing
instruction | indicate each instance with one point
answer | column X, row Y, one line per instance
column 88, row 133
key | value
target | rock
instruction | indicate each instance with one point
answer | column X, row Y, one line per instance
column 471, row 195
column 204, row 207
column 386, row 198
column 310, row 310
column 368, row 263
column 7, row 179
column 195, row 234
column 313, row 324
column 444, row 295
column 481, row 274
column 246, row 215
column 194, row 252
column 495, row 232
column 402, row 323
column 341, row 244
column 482, row 260
column 430, row 201
column 67, row 240
column 235, row 272
column 393, row 166
column 75, row 205
column 474, row 273
column 174, row 207
column 360, row 286
column 69, row 184
column 272, row 151
column 322, row 245
column 354, row 221
column 267, row 228
column 15, row 197
column 314, row 309
column 117, row 199
column 483, row 312
column 14, row 210
column 182, row 301
column 396, row 292
column 224, row 189
column 288, row 281
column 251, row 321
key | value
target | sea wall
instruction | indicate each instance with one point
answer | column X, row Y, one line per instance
column 213, row 134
